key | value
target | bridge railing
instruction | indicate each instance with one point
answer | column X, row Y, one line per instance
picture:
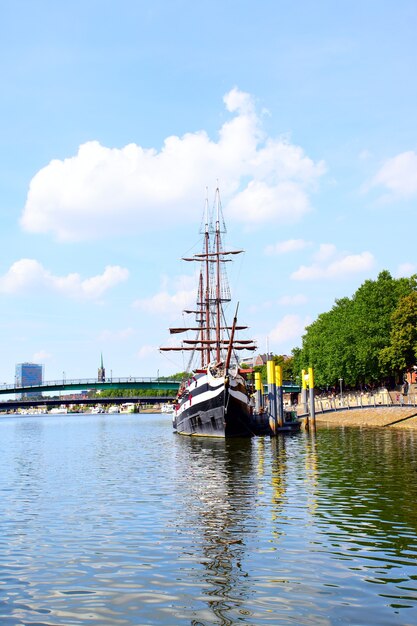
column 88, row 382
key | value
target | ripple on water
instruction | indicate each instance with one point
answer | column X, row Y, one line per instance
column 113, row 520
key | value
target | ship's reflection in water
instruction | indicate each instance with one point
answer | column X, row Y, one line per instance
column 219, row 493
column 299, row 529
column 235, row 498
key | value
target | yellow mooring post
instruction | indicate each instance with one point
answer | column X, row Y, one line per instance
column 312, row 405
column 304, row 376
column 272, row 395
column 258, row 392
column 280, row 395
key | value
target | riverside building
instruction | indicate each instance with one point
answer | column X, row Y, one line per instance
column 28, row 374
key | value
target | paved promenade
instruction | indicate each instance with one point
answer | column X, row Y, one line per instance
column 389, row 417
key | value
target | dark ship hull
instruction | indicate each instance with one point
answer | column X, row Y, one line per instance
column 215, row 407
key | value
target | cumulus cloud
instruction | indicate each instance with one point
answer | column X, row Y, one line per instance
column 30, row 275
column 288, row 329
column 283, row 247
column 104, row 191
column 328, row 264
column 398, row 176
column 326, row 251
column 170, row 303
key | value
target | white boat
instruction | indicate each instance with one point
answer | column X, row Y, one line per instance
column 58, row 410
column 113, row 409
column 127, row 407
column 167, row 408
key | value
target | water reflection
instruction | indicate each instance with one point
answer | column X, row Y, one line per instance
column 113, row 520
column 218, row 497
column 366, row 507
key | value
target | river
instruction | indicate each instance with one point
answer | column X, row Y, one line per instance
column 114, row 520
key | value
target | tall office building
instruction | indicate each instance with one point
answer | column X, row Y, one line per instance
column 29, row 374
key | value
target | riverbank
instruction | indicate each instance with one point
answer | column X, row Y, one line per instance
column 390, row 417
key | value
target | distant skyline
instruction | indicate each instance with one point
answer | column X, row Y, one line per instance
column 115, row 117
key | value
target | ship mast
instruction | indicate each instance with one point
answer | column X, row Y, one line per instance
column 218, row 289
column 200, row 318
column 213, row 337
column 207, row 290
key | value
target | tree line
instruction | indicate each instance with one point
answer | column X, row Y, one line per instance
column 368, row 339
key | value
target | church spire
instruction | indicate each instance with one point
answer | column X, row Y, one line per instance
column 101, row 371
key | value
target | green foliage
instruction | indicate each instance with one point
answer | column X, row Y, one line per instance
column 401, row 354
column 354, row 340
column 179, row 376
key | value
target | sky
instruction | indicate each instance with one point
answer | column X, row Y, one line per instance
column 116, row 116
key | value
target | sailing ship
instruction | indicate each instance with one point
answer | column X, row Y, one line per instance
column 214, row 400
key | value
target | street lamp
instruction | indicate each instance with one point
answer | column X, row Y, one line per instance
column 341, row 391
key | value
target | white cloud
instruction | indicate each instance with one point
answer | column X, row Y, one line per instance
column 343, row 265
column 326, row 252
column 105, row 191
column 262, row 202
column 41, row 356
column 398, row 176
column 283, row 247
column 294, row 300
column 30, row 275
column 171, row 303
column 405, row 270
column 288, row 329
column 166, row 303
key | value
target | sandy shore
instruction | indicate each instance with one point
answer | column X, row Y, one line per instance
column 392, row 417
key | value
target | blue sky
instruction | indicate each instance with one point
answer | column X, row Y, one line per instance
column 116, row 116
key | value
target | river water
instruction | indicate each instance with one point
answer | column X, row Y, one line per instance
column 114, row 520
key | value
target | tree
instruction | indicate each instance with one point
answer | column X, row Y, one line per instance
column 401, row 354
column 351, row 341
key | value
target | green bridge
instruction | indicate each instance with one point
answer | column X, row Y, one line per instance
column 85, row 384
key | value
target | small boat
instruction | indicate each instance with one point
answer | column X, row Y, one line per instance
column 214, row 399
column 128, row 407
column 167, row 408
column 97, row 410
column 59, row 410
